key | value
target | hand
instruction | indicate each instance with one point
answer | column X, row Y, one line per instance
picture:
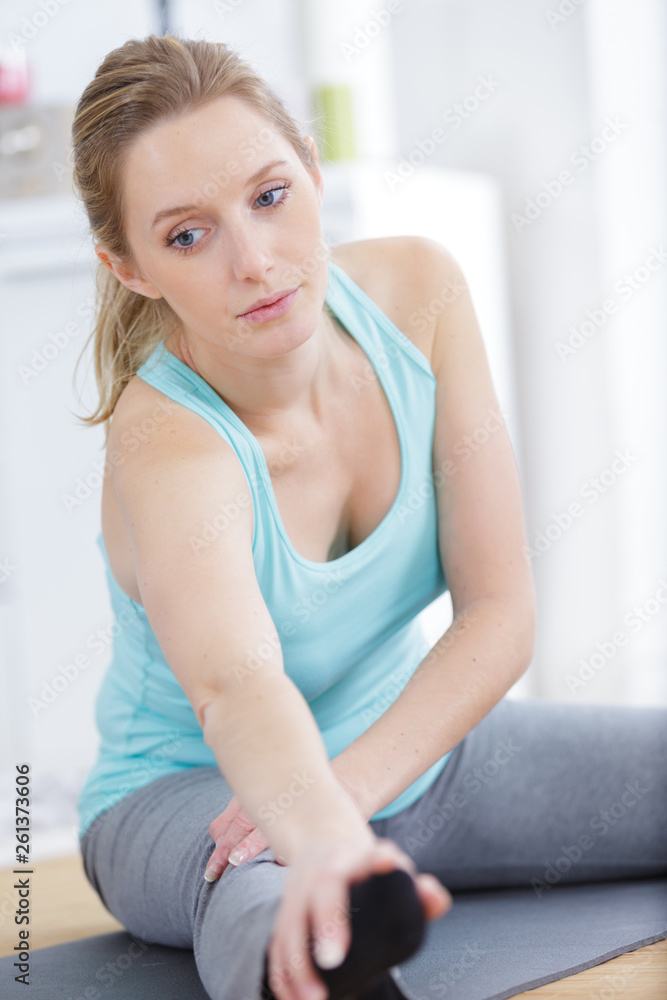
column 234, row 831
column 315, row 903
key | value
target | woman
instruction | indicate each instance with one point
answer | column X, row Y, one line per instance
column 305, row 451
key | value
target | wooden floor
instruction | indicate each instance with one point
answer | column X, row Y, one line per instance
column 64, row 907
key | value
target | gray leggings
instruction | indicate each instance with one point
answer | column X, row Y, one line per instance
column 538, row 793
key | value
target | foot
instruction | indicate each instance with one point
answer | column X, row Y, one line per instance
column 388, row 925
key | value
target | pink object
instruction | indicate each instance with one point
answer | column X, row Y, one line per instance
column 15, row 76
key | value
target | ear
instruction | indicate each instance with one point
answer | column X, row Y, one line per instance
column 127, row 275
column 316, row 174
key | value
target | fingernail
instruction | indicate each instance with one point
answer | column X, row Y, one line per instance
column 210, row 875
column 238, row 857
column 329, row 955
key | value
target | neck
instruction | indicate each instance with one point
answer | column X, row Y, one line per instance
column 268, row 393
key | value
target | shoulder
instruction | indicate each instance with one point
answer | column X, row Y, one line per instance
column 410, row 278
column 147, row 424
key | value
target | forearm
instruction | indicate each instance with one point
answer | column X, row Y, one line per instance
column 471, row 667
column 271, row 752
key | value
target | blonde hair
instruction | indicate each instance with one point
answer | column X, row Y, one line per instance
column 141, row 83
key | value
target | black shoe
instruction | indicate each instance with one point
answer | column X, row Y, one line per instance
column 386, row 989
column 387, row 925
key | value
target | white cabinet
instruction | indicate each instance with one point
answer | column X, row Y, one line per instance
column 55, row 594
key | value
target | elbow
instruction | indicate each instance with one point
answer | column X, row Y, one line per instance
column 204, row 706
column 521, row 620
column 525, row 639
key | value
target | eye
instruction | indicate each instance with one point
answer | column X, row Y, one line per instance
column 275, row 204
column 170, row 241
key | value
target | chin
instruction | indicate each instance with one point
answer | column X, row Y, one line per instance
column 272, row 340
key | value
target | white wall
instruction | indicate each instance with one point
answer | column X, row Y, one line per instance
column 64, row 48
column 265, row 32
column 575, row 413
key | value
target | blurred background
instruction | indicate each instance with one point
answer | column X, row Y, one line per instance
column 528, row 137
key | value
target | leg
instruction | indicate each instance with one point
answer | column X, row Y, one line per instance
column 540, row 793
column 146, row 858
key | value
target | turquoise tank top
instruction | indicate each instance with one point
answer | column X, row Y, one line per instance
column 348, row 630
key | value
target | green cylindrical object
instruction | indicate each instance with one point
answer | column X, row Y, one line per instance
column 334, row 101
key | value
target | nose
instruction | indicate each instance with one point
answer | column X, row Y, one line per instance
column 250, row 256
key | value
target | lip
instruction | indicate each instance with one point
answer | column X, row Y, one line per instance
column 269, row 308
column 260, row 303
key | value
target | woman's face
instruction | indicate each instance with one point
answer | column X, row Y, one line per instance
column 214, row 227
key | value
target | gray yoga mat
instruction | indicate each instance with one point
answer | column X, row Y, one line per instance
column 490, row 945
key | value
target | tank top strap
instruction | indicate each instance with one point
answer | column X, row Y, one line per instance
column 167, row 373
column 377, row 333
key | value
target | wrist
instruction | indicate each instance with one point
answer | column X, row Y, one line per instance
column 345, row 824
column 348, row 778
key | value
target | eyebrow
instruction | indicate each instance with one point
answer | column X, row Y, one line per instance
column 166, row 212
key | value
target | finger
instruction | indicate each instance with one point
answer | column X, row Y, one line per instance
column 216, row 864
column 330, row 922
column 221, row 824
column 250, row 847
column 435, row 899
column 226, row 850
column 291, row 972
column 241, row 828
column 382, row 857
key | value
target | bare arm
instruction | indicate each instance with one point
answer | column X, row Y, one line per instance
column 489, row 644
column 208, row 614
